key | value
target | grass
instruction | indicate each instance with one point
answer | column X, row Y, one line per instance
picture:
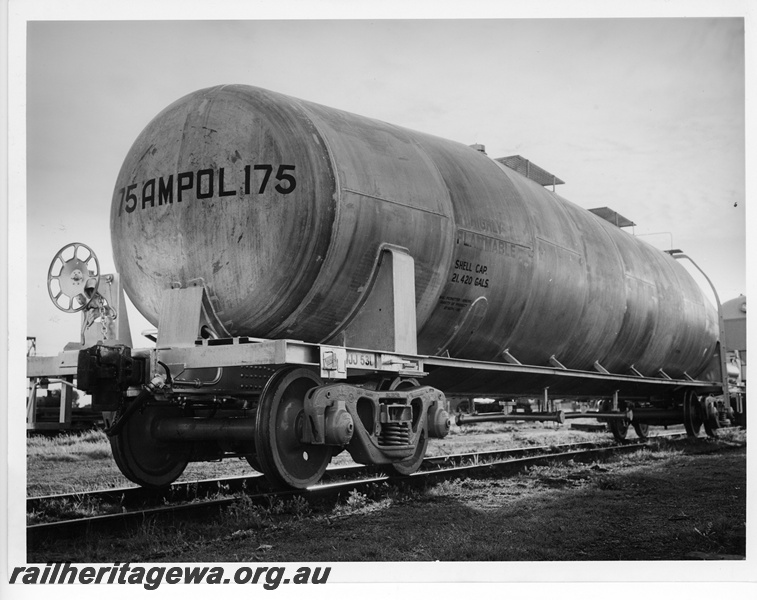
column 669, row 501
column 71, row 447
column 664, row 503
column 82, row 461
column 720, row 535
column 66, row 509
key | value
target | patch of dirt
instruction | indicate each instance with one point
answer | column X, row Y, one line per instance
column 662, row 511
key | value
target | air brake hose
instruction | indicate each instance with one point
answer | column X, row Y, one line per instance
column 138, row 402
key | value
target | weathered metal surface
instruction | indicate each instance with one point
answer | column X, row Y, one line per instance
column 281, row 206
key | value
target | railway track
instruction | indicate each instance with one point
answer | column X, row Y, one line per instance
column 135, row 497
column 129, row 507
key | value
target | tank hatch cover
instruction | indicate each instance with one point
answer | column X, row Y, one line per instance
column 611, row 216
column 528, row 169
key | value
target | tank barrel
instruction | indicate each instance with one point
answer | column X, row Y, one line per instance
column 272, row 198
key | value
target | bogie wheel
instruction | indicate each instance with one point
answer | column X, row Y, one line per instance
column 411, row 464
column 74, row 274
column 710, row 417
column 144, row 460
column 642, row 430
column 692, row 413
column 283, row 458
column 252, row 460
column 619, row 428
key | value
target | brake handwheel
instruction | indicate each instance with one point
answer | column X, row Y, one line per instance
column 73, row 278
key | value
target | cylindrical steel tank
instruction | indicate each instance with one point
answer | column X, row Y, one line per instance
column 281, row 205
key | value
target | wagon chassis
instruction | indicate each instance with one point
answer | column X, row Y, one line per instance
column 179, row 416
column 248, row 352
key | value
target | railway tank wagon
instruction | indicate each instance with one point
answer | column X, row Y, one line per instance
column 319, row 281
column 499, row 261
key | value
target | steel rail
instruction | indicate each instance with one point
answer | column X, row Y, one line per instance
column 133, row 496
column 37, row 533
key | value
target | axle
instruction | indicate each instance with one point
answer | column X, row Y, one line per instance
column 191, row 429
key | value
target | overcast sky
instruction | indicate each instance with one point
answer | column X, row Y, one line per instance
column 645, row 116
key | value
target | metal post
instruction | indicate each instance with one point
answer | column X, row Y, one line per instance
column 387, row 320
column 65, row 411
column 677, row 254
column 31, row 407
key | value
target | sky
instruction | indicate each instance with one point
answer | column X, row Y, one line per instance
column 645, row 116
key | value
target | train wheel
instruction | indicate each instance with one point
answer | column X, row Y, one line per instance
column 619, row 428
column 710, row 417
column 144, row 460
column 252, row 460
column 283, row 458
column 692, row 414
column 412, row 464
column 641, row 429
